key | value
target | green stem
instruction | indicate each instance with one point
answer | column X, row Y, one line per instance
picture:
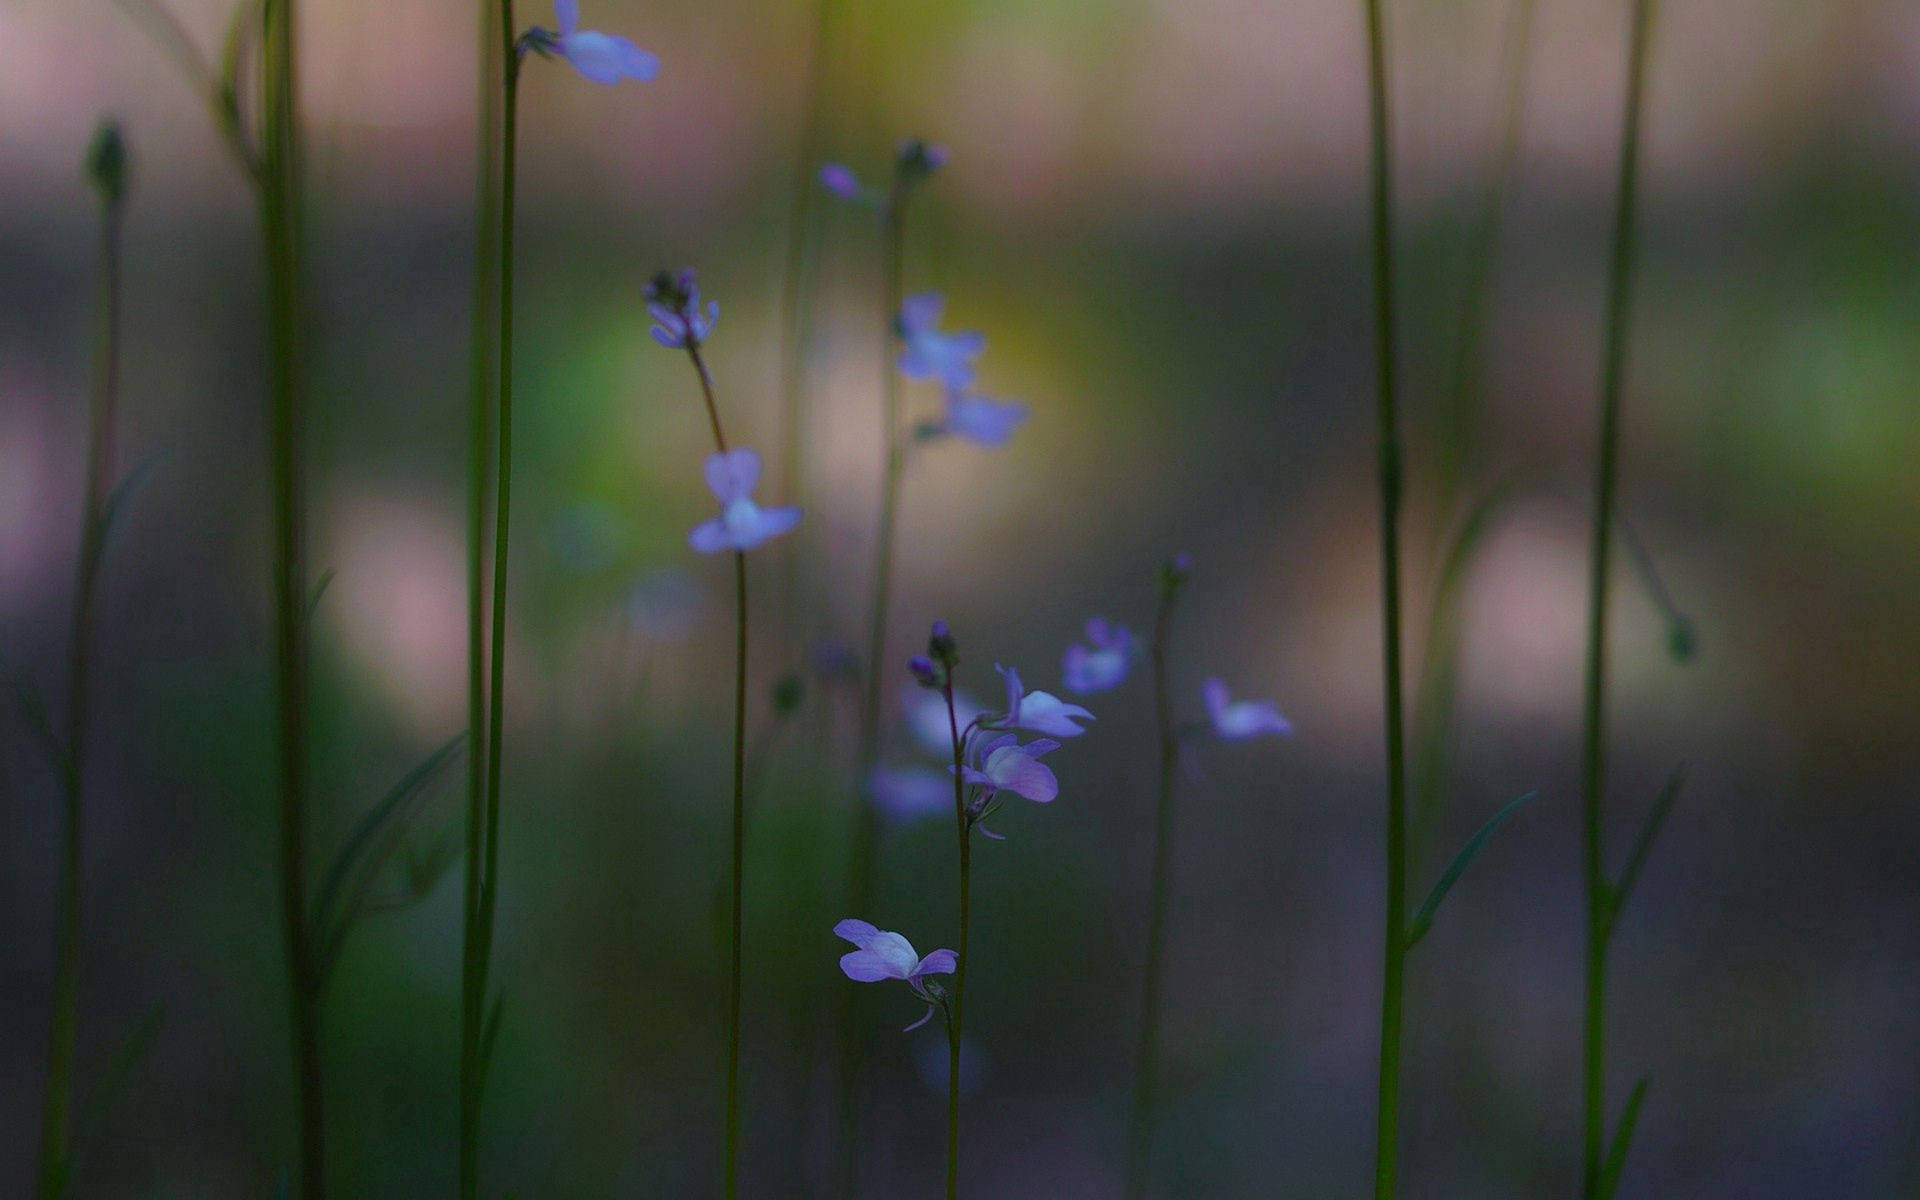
column 280, row 199
column 795, row 316
column 1393, row 976
column 866, row 828
column 1599, row 890
column 954, row 1026
column 480, row 396
column 56, row 1132
column 1147, row 1080
column 736, row 977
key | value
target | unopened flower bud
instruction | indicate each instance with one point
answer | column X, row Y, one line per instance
column 923, row 671
column 107, row 164
column 941, row 646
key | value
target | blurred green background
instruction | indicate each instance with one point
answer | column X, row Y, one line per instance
column 1155, row 210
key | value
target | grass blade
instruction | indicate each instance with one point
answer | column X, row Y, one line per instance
column 1423, row 918
column 1643, row 845
column 1622, row 1139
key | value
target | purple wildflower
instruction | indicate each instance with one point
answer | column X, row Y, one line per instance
column 674, row 302
column 1242, row 720
column 1104, row 666
column 982, row 420
column 1004, row 765
column 1037, row 712
column 883, row 954
column 600, row 57
column 930, row 354
column 842, row 182
column 742, row 524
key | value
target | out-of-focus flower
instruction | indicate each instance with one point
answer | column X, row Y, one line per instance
column 674, row 303
column 1239, row 721
column 1006, row 766
column 926, row 713
column 923, row 671
column 918, row 159
column 842, row 182
column 930, row 354
column 742, row 524
column 1103, row 666
column 1037, row 712
column 909, row 793
column 883, row 954
column 979, row 419
column 600, row 57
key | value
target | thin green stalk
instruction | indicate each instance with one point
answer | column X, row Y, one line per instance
column 1599, row 890
column 281, row 217
column 1393, row 977
column 736, row 976
column 108, row 169
column 482, row 368
column 795, row 315
column 955, row 1025
column 497, row 641
column 866, row 828
column 1147, row 1066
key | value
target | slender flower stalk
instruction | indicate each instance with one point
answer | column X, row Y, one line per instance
column 281, row 207
column 741, row 526
column 1602, row 894
column 106, row 165
column 963, row 829
column 1393, row 976
column 1147, row 1067
column 484, row 366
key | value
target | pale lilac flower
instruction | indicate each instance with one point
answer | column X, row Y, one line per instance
column 908, row 793
column 1104, row 666
column 1004, row 765
column 927, row 717
column 1239, row 721
column 601, row 57
column 842, row 182
column 981, row 419
column 674, row 302
column 742, row 524
column 1037, row 712
column 883, row 954
column 930, row 354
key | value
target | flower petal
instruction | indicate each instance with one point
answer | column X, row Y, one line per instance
column 604, row 58
column 732, row 476
column 866, row 966
column 920, row 313
column 770, row 523
column 939, row 962
column 856, row 931
column 1215, row 693
column 983, row 421
column 922, row 1021
column 1012, row 769
column 710, row 537
column 841, row 181
column 567, row 14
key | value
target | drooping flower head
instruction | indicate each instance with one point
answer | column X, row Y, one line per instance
column 1037, row 712
column 600, row 57
column 742, row 524
column 931, row 354
column 1243, row 720
column 1102, row 666
column 674, row 303
column 883, row 954
column 979, row 419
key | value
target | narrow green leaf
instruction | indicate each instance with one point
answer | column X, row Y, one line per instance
column 328, row 916
column 1423, row 919
column 1643, row 845
column 135, row 1049
column 1622, row 1138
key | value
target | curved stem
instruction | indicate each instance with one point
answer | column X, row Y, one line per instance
column 1593, row 741
column 57, row 1105
column 1146, row 1081
column 1393, row 975
column 955, row 1025
column 866, row 828
column 482, row 367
